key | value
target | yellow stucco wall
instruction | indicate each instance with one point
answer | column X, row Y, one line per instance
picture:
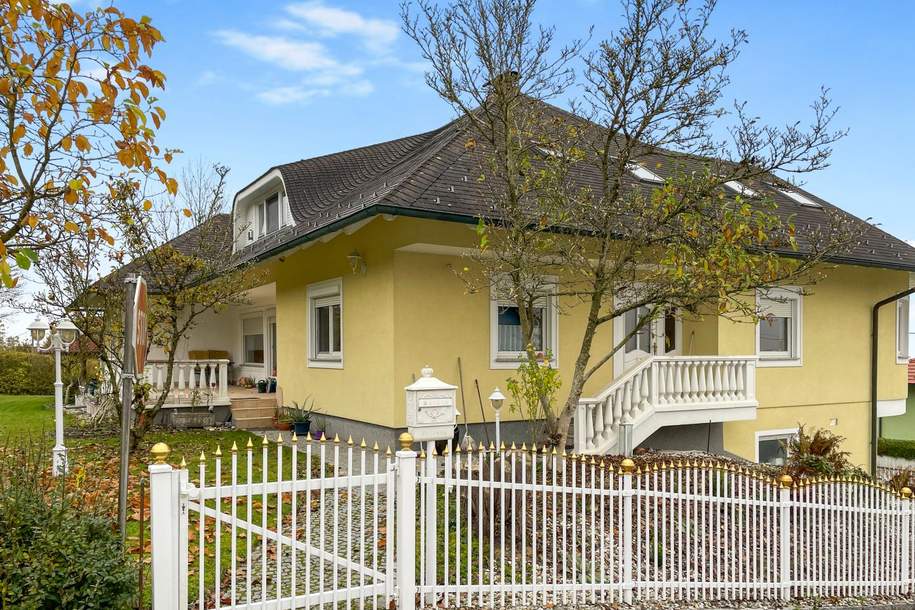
column 834, row 381
column 410, row 309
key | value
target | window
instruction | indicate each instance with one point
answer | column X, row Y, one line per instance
column 778, row 337
column 643, row 173
column 771, row 446
column 741, row 188
column 508, row 348
column 902, row 330
column 640, row 341
column 325, row 322
column 253, row 337
column 801, row 199
column 269, row 215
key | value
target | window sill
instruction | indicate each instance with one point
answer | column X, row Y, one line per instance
column 511, row 362
column 900, row 360
column 325, row 364
column 764, row 362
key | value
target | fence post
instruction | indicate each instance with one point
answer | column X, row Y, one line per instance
column 431, row 517
column 784, row 535
column 164, row 523
column 906, row 543
column 406, row 524
column 627, row 467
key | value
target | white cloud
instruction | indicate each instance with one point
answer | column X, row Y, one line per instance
column 295, row 55
column 207, row 77
column 376, row 34
column 280, row 96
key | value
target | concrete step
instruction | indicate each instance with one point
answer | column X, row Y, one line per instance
column 253, row 413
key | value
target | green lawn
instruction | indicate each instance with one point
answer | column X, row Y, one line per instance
column 26, row 415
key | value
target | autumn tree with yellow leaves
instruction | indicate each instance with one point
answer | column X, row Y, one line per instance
column 79, row 112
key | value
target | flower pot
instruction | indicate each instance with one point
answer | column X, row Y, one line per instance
column 317, row 435
column 301, row 427
column 262, row 386
column 271, row 388
column 282, row 425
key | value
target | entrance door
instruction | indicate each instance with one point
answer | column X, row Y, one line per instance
column 660, row 337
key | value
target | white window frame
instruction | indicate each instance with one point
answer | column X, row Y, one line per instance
column 259, row 316
column 328, row 292
column 781, row 433
column 793, row 357
column 510, row 360
column 902, row 330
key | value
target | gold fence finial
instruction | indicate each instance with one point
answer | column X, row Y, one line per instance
column 906, row 493
column 295, row 437
column 406, row 441
column 264, row 441
column 627, row 466
column 349, row 440
column 218, row 452
column 279, row 438
column 249, row 444
column 183, row 463
column 160, row 452
column 785, row 481
column 203, row 457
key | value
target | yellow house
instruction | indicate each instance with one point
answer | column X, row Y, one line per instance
column 361, row 248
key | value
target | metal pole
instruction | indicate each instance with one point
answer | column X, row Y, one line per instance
column 498, row 426
column 126, row 399
column 59, row 453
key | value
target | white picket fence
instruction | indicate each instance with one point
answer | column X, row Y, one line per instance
column 352, row 526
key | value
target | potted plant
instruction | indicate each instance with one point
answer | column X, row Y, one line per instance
column 271, row 386
column 317, row 427
column 261, row 386
column 301, row 416
column 282, row 420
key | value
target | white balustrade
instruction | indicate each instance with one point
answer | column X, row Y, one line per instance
column 202, row 381
column 664, row 383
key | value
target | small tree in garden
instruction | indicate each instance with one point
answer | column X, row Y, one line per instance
column 80, row 111
column 187, row 277
column 560, row 209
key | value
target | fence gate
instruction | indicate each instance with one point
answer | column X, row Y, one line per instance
column 338, row 525
column 274, row 526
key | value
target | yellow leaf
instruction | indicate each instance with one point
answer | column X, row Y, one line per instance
column 71, row 226
column 18, row 132
column 27, row 149
column 187, row 212
column 82, row 143
column 147, row 205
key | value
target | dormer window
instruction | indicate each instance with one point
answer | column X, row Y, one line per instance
column 269, row 215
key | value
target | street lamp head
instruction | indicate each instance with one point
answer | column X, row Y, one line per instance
column 496, row 398
column 38, row 329
column 68, row 331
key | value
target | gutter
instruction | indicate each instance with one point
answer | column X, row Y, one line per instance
column 875, row 424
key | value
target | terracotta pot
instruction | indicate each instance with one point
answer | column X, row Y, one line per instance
column 284, row 425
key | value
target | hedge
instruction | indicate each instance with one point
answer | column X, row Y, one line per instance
column 896, row 448
column 23, row 372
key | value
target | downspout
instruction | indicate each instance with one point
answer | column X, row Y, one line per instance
column 875, row 319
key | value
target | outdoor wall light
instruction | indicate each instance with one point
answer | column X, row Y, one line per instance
column 356, row 262
column 497, row 398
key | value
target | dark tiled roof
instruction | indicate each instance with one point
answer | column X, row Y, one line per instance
column 433, row 174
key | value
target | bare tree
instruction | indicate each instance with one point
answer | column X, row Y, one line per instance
column 563, row 208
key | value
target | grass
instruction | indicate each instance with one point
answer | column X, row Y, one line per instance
column 26, row 415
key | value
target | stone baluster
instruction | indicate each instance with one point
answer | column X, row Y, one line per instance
column 711, row 390
column 719, row 391
column 223, row 379
column 598, row 426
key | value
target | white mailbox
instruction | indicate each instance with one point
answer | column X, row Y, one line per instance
column 431, row 408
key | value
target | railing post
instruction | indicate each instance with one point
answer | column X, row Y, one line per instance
column 406, row 524
column 579, row 427
column 165, row 521
column 906, row 533
column 223, row 378
column 627, row 467
column 784, row 535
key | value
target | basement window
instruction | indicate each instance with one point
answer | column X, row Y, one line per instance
column 778, row 331
column 325, row 324
column 771, row 446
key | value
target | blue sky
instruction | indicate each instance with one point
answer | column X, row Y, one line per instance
column 253, row 84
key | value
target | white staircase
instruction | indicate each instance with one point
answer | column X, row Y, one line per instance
column 667, row 391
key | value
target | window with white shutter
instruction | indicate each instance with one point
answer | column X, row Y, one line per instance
column 325, row 324
column 778, row 331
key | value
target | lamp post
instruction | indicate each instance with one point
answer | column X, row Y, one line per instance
column 56, row 339
column 497, row 398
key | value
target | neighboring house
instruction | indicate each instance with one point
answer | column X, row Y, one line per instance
column 361, row 245
column 902, row 426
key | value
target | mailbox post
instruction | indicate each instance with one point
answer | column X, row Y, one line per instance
column 431, row 416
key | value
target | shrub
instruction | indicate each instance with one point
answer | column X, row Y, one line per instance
column 57, row 549
column 25, row 372
column 896, row 448
column 818, row 453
